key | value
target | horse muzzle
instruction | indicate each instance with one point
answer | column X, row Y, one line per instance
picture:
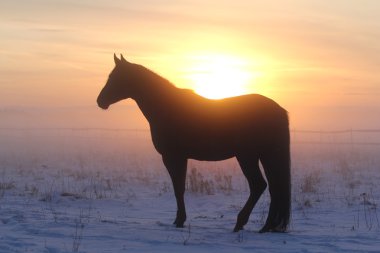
column 102, row 105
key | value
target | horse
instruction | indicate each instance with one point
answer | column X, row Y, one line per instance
column 184, row 125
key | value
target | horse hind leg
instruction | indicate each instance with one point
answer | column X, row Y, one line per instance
column 257, row 185
column 277, row 170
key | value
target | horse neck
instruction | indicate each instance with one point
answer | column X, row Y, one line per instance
column 153, row 95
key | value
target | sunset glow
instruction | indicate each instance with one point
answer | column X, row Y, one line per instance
column 307, row 55
column 220, row 76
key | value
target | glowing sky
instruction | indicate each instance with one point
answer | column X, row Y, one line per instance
column 305, row 54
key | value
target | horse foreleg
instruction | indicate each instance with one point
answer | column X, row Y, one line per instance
column 177, row 168
column 257, row 185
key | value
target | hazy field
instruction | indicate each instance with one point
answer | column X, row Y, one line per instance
column 65, row 190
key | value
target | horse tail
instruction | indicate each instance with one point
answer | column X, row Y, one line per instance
column 276, row 163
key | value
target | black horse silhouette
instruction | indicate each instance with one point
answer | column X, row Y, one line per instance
column 185, row 126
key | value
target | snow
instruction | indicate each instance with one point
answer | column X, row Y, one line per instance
column 99, row 191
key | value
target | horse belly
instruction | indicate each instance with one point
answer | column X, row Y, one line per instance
column 210, row 148
column 210, row 154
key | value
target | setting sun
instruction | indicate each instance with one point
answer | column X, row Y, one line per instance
column 220, row 76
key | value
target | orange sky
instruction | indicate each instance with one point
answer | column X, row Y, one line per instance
column 318, row 59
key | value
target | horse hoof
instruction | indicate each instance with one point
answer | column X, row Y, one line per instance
column 238, row 228
column 266, row 229
column 179, row 226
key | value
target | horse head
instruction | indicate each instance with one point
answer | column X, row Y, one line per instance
column 118, row 84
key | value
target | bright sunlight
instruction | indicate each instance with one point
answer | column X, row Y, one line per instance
column 220, row 76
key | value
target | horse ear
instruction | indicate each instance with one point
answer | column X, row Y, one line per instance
column 122, row 59
column 117, row 60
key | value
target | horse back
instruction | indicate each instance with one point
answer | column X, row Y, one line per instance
column 252, row 110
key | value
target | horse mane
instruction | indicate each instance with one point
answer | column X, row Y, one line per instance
column 151, row 78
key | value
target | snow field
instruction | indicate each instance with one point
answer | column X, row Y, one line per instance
column 63, row 191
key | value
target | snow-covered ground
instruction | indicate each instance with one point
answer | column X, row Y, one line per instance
column 107, row 191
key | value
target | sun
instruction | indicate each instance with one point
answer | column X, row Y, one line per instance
column 220, row 76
